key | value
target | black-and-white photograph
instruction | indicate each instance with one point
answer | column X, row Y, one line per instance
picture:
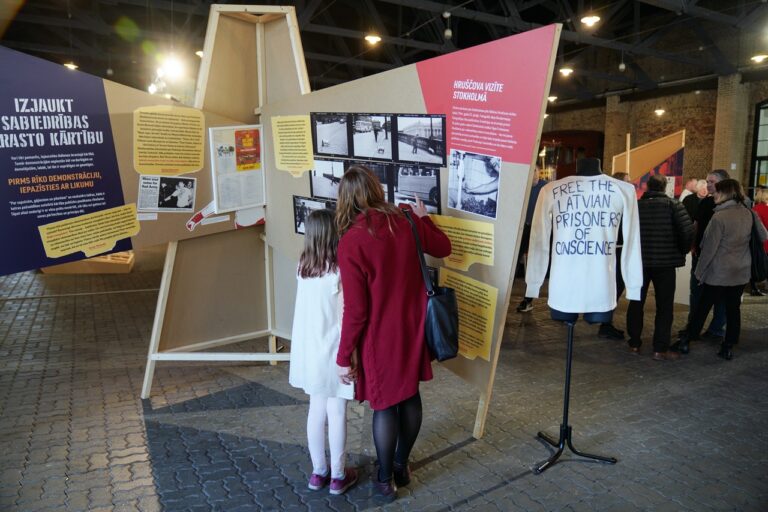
column 166, row 194
column 372, row 136
column 325, row 177
column 382, row 171
column 330, row 134
column 421, row 138
column 473, row 182
column 418, row 181
column 303, row 206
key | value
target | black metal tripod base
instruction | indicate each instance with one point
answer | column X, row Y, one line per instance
column 566, row 433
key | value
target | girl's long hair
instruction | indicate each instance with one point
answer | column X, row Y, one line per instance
column 320, row 242
column 360, row 192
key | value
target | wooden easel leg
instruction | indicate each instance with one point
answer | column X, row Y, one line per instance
column 482, row 412
column 149, row 373
column 157, row 326
column 273, row 348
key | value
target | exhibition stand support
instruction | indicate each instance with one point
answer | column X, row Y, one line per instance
column 566, row 431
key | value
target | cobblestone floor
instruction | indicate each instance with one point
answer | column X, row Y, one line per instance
column 75, row 436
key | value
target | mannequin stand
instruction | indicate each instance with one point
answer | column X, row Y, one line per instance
column 566, row 431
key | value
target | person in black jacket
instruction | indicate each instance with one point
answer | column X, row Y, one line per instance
column 666, row 232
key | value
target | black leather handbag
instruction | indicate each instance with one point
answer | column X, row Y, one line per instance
column 441, row 328
column 756, row 249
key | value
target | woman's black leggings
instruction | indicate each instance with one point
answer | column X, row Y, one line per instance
column 394, row 432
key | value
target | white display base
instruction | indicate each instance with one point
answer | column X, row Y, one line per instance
column 683, row 282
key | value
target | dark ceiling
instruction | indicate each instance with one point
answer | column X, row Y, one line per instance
column 662, row 43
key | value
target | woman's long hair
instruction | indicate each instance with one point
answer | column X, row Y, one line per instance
column 320, row 242
column 360, row 192
column 730, row 189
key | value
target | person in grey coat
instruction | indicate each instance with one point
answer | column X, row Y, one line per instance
column 724, row 266
column 666, row 232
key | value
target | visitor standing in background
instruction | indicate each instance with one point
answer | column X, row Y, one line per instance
column 527, row 303
column 704, row 213
column 690, row 188
column 607, row 329
column 725, row 265
column 691, row 202
column 761, row 209
column 666, row 233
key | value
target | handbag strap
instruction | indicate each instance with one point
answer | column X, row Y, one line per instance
column 424, row 273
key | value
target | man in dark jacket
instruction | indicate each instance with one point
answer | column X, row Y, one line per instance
column 666, row 232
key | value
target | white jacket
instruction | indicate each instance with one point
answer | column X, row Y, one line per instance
column 583, row 214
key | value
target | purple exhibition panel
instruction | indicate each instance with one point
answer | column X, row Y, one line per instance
column 57, row 156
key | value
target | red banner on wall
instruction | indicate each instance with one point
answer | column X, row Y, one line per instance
column 493, row 93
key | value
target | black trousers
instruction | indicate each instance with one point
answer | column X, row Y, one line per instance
column 711, row 295
column 663, row 279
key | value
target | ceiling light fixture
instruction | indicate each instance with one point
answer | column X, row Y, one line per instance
column 545, row 116
column 565, row 71
column 590, row 20
column 552, row 99
column 659, row 112
column 199, row 53
column 758, row 59
column 372, row 39
column 71, row 65
column 152, row 89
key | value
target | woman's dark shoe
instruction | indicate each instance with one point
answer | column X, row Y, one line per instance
column 387, row 489
column 725, row 353
column 402, row 475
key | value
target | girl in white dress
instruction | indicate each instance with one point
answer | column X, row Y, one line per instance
column 315, row 341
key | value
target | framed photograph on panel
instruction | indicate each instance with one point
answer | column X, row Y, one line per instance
column 422, row 181
column 473, row 183
column 324, row 178
column 236, row 167
column 420, row 138
column 372, row 136
column 303, row 206
column 330, row 134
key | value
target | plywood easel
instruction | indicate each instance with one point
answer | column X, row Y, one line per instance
column 218, row 290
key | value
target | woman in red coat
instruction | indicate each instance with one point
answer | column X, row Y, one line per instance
column 761, row 208
column 384, row 314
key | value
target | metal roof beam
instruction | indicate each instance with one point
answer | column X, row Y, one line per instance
column 356, row 34
column 379, row 66
column 692, row 10
column 567, row 35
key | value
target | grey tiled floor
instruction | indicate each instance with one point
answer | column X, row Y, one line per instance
column 75, row 436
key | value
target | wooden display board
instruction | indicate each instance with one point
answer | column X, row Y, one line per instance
column 217, row 290
column 404, row 90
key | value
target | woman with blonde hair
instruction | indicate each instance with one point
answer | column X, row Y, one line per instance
column 384, row 315
column 725, row 265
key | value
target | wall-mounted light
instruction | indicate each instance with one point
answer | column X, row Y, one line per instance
column 566, row 71
column 758, row 59
column 551, row 99
column 372, row 39
column 659, row 112
column 590, row 20
column 71, row 65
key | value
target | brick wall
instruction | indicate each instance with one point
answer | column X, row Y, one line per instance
column 731, row 128
column 690, row 111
